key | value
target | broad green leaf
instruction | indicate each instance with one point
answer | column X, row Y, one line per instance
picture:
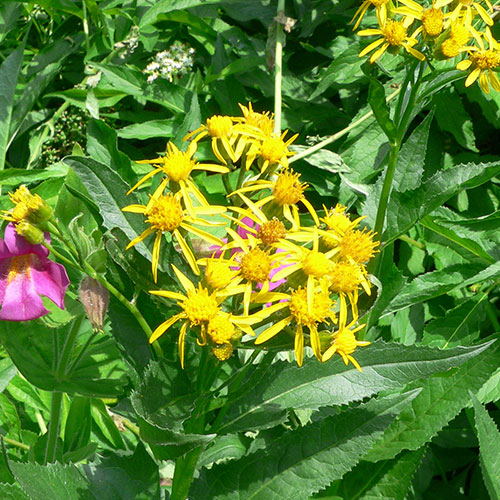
column 108, row 191
column 441, row 399
column 123, row 477
column 224, row 448
column 267, row 395
column 405, row 209
column 77, row 97
column 100, row 372
column 436, row 283
column 12, row 492
column 165, row 397
column 51, row 481
column 9, row 418
column 455, row 240
column 164, row 6
column 324, row 159
column 489, row 444
column 411, row 160
column 17, row 176
column 102, row 147
column 7, row 372
column 303, row 461
column 459, row 326
column 191, row 121
column 147, row 130
column 458, row 123
column 9, row 14
column 104, row 426
column 78, row 424
column 491, row 389
column 9, row 74
column 388, row 479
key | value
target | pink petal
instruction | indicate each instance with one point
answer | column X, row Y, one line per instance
column 20, row 300
column 248, row 222
column 17, row 245
column 50, row 279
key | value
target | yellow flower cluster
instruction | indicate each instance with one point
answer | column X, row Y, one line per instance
column 442, row 29
column 271, row 271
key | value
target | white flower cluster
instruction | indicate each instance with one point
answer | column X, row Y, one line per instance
column 175, row 61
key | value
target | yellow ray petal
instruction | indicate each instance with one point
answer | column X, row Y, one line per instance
column 183, row 280
column 273, row 330
column 165, row 326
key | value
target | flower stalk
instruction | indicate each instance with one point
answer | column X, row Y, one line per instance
column 278, row 66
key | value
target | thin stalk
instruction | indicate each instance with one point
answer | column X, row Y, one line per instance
column 411, row 241
column 278, row 66
column 86, row 26
column 15, row 443
column 41, row 422
column 339, row 134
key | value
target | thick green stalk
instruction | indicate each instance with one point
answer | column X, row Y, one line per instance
column 183, row 474
column 278, row 66
column 56, row 404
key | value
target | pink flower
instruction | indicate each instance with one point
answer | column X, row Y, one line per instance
column 25, row 274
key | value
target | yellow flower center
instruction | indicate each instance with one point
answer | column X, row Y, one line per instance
column 450, row 48
column 200, row 306
column 22, row 193
column 273, row 149
column 346, row 342
column 220, row 329
column 166, row 213
column 270, row 232
column 394, row 32
column 287, row 188
column 223, row 352
column 219, row 126
column 177, row 165
column 485, row 59
column 19, row 265
column 345, row 277
column 20, row 211
column 432, row 21
column 256, row 265
column 218, row 274
column 320, row 310
column 29, row 206
column 316, row 264
column 459, row 34
column 358, row 246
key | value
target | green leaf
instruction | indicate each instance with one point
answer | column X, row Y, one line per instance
column 164, row 6
column 491, row 389
column 7, row 373
column 147, row 130
column 104, row 425
column 16, row 176
column 388, row 479
column 380, row 108
column 100, row 372
column 51, row 481
column 411, row 160
column 436, row 283
column 266, row 396
column 324, row 159
column 489, row 444
column 9, row 14
column 441, row 399
column 303, row 461
column 458, row 123
column 405, row 209
column 108, row 191
column 12, row 492
column 9, row 73
column 224, row 448
column 78, row 424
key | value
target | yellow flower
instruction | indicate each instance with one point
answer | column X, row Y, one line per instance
column 219, row 272
column 381, row 11
column 483, row 61
column 177, row 167
column 338, row 223
column 287, row 192
column 200, row 307
column 263, row 122
column 302, row 315
column 464, row 9
column 166, row 215
column 27, row 207
column 358, row 246
column 393, row 36
column 345, row 344
column 432, row 18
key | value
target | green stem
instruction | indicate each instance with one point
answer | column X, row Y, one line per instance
column 18, row 444
column 411, row 241
column 339, row 134
column 278, row 66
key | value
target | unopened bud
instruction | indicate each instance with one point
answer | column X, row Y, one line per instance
column 222, row 351
column 95, row 300
column 29, row 232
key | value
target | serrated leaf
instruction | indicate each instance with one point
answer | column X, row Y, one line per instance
column 12, row 492
column 267, row 395
column 304, row 461
column 389, row 479
column 489, row 444
column 441, row 399
column 405, row 209
column 491, row 389
column 108, row 191
column 411, row 160
column 436, row 283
